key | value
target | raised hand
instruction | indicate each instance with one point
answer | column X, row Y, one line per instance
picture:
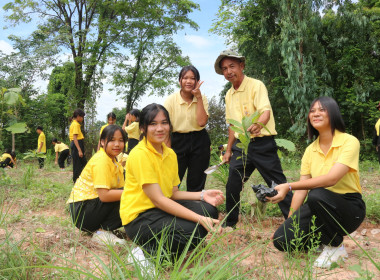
column 196, row 91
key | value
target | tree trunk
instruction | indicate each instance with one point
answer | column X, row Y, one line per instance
column 13, row 142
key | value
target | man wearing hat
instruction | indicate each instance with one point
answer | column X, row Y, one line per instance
column 245, row 97
column 376, row 136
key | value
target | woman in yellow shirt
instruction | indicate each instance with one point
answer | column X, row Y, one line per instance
column 330, row 180
column 376, row 137
column 95, row 198
column 131, row 126
column 188, row 110
column 62, row 148
column 77, row 143
column 8, row 159
column 151, row 206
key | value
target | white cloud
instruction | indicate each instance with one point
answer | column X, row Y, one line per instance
column 6, row 47
column 198, row 41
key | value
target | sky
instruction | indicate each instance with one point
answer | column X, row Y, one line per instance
column 201, row 46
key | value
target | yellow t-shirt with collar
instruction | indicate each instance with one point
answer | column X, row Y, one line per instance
column 377, row 127
column 146, row 166
column 5, row 156
column 133, row 131
column 75, row 129
column 345, row 150
column 101, row 172
column 251, row 96
column 42, row 139
column 60, row 147
column 103, row 127
column 182, row 115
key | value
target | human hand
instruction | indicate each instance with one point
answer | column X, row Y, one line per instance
column 213, row 197
column 282, row 190
column 255, row 129
column 196, row 91
column 80, row 153
column 210, row 224
column 127, row 117
column 55, row 162
column 227, row 156
column 377, row 148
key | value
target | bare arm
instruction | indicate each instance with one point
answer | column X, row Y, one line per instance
column 298, row 197
column 109, row 195
column 331, row 178
column 76, row 143
column 153, row 191
column 126, row 121
column 56, row 158
column 231, row 140
column 213, row 197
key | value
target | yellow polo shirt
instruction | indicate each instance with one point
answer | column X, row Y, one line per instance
column 345, row 150
column 60, row 147
column 251, row 96
column 101, row 172
column 101, row 129
column 377, row 127
column 146, row 166
column 5, row 156
column 182, row 115
column 42, row 139
column 133, row 131
column 75, row 129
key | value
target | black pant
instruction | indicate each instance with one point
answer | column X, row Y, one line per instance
column 78, row 162
column 378, row 154
column 91, row 215
column 41, row 161
column 347, row 209
column 5, row 163
column 152, row 225
column 262, row 154
column 193, row 154
column 62, row 157
column 131, row 144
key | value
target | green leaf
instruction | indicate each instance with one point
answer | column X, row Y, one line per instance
column 40, row 230
column 17, row 128
column 286, row 144
column 11, row 97
column 236, row 129
column 235, row 123
column 240, row 146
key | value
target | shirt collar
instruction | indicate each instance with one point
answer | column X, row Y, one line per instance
column 241, row 87
column 76, row 122
column 181, row 101
column 149, row 146
column 338, row 140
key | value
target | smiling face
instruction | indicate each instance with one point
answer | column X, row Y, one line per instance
column 111, row 121
column 232, row 69
column 319, row 117
column 114, row 146
column 158, row 130
column 188, row 81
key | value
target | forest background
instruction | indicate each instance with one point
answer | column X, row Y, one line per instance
column 299, row 49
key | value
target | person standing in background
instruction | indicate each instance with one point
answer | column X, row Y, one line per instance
column 188, row 110
column 111, row 119
column 376, row 135
column 132, row 128
column 77, row 143
column 41, row 146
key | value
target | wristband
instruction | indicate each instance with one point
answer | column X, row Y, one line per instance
column 290, row 187
column 202, row 194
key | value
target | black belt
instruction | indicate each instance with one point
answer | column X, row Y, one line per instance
column 263, row 138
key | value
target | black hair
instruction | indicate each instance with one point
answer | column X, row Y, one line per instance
column 148, row 114
column 40, row 128
column 108, row 133
column 13, row 154
column 7, row 151
column 111, row 115
column 332, row 108
column 55, row 140
column 78, row 112
column 185, row 69
column 136, row 113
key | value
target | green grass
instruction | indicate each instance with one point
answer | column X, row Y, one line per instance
column 38, row 240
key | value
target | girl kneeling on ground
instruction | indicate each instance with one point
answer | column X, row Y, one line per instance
column 62, row 148
column 330, row 180
column 95, row 198
column 151, row 206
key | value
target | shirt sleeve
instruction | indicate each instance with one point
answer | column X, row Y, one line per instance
column 349, row 154
column 76, row 129
column 56, row 148
column 205, row 104
column 143, row 169
column 262, row 102
column 305, row 163
column 227, row 108
column 102, row 175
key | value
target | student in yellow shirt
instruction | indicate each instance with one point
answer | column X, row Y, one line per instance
column 41, row 145
column 131, row 126
column 188, row 110
column 62, row 148
column 77, row 143
column 111, row 119
column 330, row 180
column 95, row 198
column 8, row 159
column 151, row 204
column 376, row 136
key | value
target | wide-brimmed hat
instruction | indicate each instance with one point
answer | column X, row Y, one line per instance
column 223, row 54
column 378, row 105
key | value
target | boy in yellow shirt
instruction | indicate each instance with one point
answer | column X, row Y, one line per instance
column 41, row 145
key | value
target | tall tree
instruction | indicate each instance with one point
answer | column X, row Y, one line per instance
column 93, row 29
